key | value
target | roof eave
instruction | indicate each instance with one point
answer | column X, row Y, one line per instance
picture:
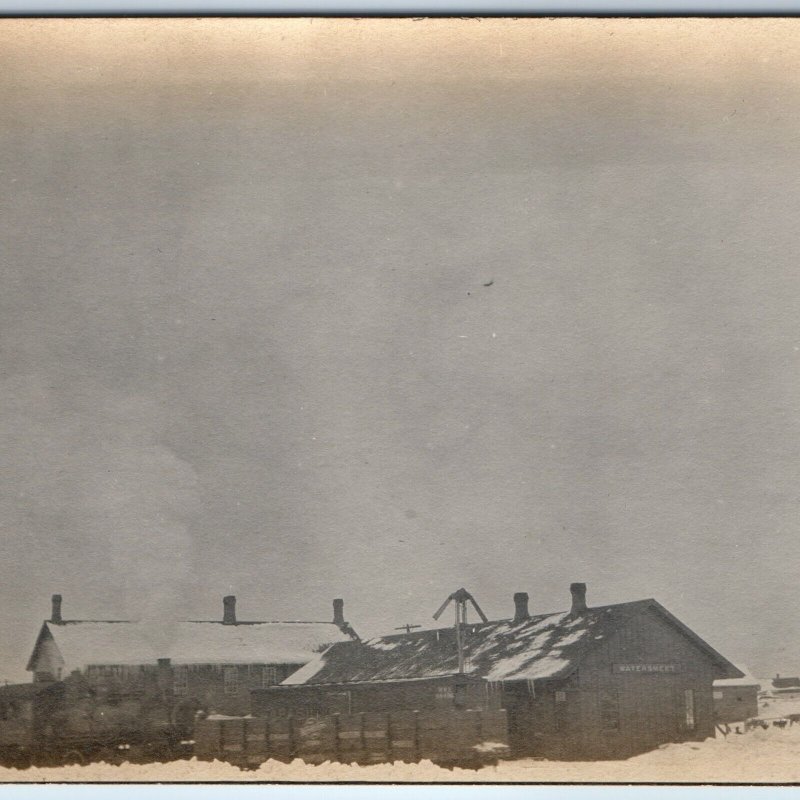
column 43, row 633
column 726, row 669
column 327, row 684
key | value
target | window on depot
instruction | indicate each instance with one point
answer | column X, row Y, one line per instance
column 231, row 683
column 609, row 711
column 460, row 695
column 444, row 694
column 561, row 697
column 688, row 709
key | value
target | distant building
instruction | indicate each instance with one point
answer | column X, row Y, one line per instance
column 196, row 665
column 784, row 684
column 602, row 682
column 736, row 699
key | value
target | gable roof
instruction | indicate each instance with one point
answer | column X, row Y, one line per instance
column 541, row 647
column 747, row 679
column 84, row 643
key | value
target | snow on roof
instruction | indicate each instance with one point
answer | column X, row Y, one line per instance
column 268, row 642
column 746, row 680
column 545, row 646
column 81, row 644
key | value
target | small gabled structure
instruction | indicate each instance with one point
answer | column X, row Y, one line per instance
column 589, row 682
column 736, row 699
column 201, row 664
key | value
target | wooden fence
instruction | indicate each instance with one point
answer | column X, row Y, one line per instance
column 468, row 738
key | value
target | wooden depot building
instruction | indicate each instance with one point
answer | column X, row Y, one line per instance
column 602, row 682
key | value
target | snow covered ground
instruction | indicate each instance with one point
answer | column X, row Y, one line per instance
column 773, row 704
column 759, row 756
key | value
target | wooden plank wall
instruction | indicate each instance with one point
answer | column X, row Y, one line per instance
column 451, row 737
column 651, row 706
column 735, row 703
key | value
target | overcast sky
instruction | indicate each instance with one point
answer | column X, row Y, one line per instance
column 302, row 310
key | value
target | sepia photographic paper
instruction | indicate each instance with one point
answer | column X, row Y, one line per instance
column 399, row 400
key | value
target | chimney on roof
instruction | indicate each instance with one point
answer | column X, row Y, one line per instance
column 55, row 609
column 578, row 591
column 338, row 612
column 520, row 606
column 229, row 610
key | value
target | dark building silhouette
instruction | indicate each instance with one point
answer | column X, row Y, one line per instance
column 602, row 682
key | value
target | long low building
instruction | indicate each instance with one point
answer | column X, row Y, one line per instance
column 602, row 682
column 209, row 665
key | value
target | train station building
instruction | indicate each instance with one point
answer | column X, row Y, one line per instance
column 589, row 682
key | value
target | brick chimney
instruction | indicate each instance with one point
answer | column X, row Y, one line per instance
column 521, row 607
column 55, row 609
column 578, row 591
column 338, row 612
column 229, row 610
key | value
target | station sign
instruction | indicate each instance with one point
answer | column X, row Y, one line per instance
column 657, row 669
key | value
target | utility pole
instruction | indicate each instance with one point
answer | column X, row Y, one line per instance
column 459, row 642
column 407, row 627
